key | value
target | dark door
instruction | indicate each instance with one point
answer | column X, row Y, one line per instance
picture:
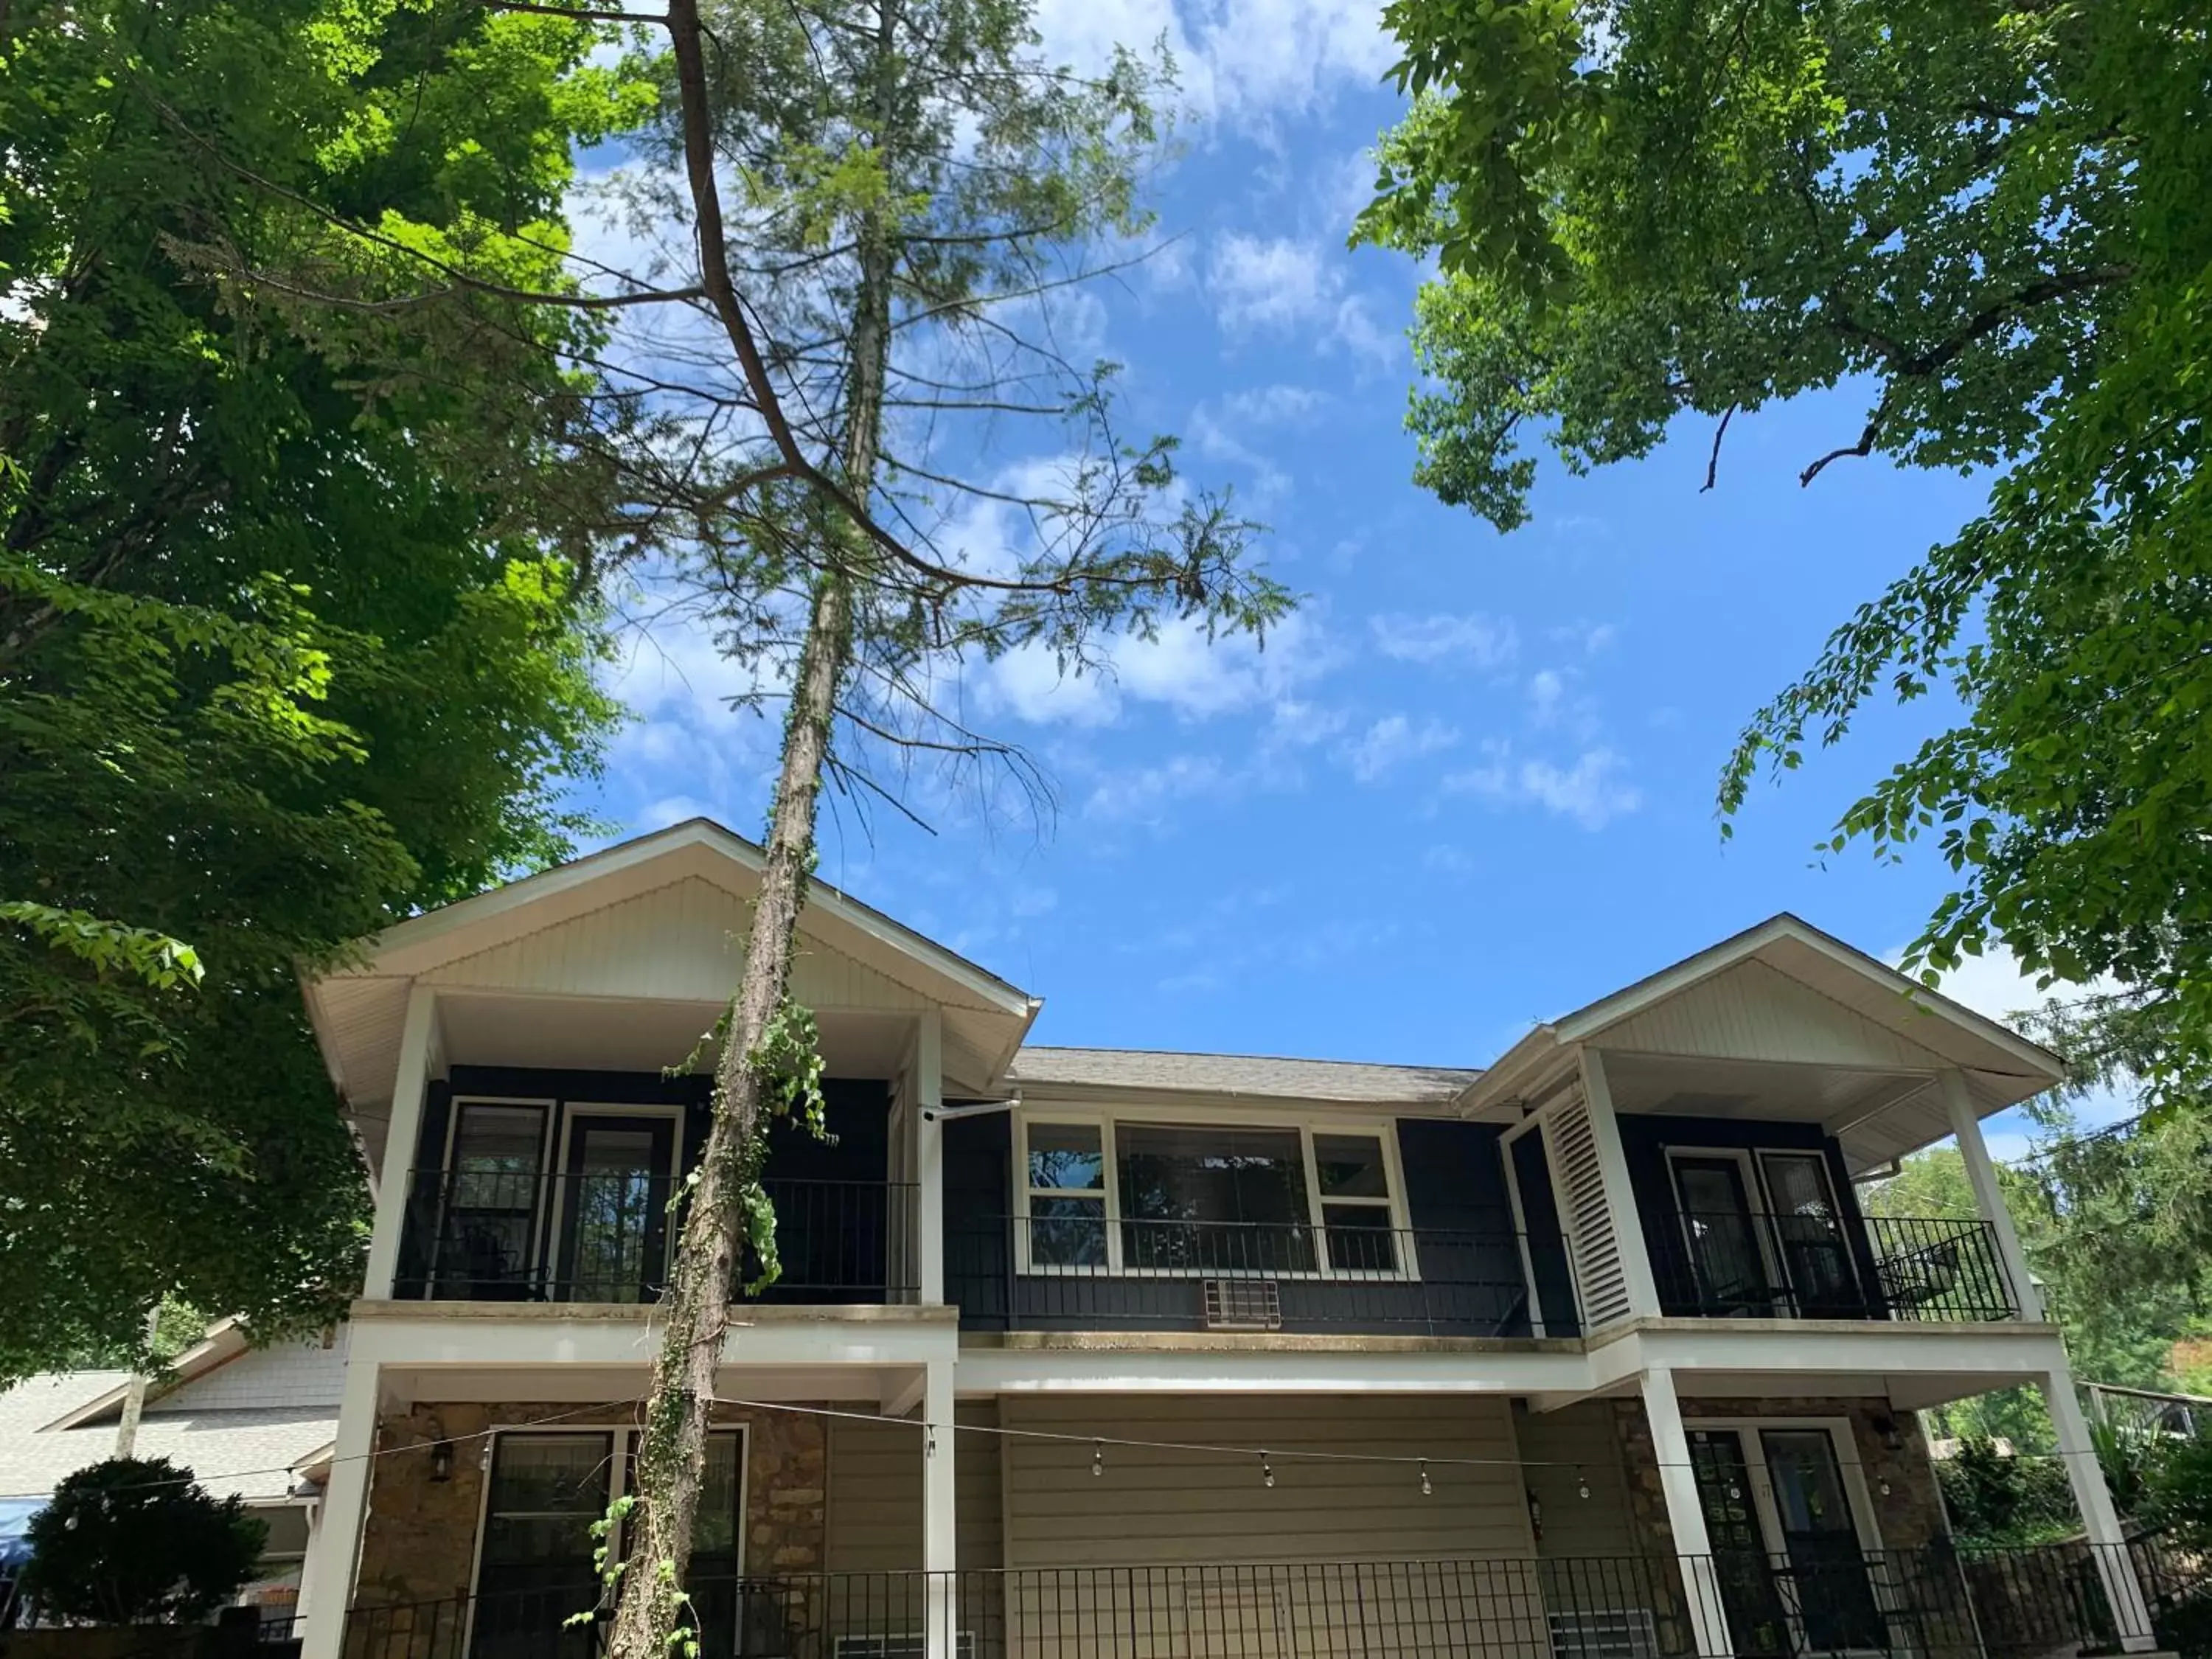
column 488, row 1230
column 1728, row 1272
column 535, row 1572
column 1832, row 1595
column 614, row 1209
column 1749, row 1596
column 1809, row 1231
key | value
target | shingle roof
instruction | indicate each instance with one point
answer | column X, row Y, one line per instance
column 1240, row 1074
column 247, row 1451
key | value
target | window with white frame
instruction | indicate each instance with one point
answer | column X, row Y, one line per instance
column 1146, row 1195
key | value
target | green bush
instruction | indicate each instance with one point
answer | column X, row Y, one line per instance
column 1997, row 1499
column 2180, row 1494
column 135, row 1542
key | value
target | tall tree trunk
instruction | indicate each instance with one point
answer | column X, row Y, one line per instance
column 695, row 1307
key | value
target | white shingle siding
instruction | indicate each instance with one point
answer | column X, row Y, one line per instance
column 298, row 1374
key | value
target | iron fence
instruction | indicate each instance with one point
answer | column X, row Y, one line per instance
column 1073, row 1271
column 539, row 1236
column 1730, row 1264
column 1937, row 1603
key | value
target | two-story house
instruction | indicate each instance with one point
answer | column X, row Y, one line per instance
column 1083, row 1352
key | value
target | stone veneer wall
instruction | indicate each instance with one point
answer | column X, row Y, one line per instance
column 1909, row 1515
column 419, row 1542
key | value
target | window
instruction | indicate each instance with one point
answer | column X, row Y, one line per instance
column 1140, row 1196
column 1210, row 1199
column 487, row 1238
column 1067, row 1195
column 535, row 1561
column 1355, row 1203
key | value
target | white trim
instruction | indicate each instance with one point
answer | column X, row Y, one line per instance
column 1305, row 1125
column 402, row 1131
column 1521, row 1237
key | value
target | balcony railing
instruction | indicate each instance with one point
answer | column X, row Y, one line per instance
column 532, row 1235
column 1792, row 1266
column 2010, row 1604
column 1051, row 1271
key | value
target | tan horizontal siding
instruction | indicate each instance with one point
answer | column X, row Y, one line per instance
column 874, row 1520
column 1565, row 1449
column 1161, row 1506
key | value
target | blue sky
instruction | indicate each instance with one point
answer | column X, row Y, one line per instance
column 1471, row 784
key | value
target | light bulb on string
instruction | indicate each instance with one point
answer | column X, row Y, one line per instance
column 1098, row 1457
column 1735, row 1491
column 1581, row 1484
column 1426, row 1489
column 929, row 1441
column 1267, row 1471
column 1885, row 1489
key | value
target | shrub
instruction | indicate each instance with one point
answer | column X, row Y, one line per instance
column 136, row 1541
column 1996, row 1499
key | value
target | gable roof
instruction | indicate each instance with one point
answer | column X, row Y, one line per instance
column 358, row 1009
column 1923, row 1029
column 1265, row 1076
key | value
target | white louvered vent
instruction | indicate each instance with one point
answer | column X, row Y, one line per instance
column 1627, row 1633
column 1244, row 1305
column 906, row 1644
column 1571, row 1144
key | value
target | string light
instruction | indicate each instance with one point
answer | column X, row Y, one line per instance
column 1885, row 1489
column 1581, row 1484
column 1267, row 1471
column 1426, row 1489
column 1097, row 1458
column 929, row 1440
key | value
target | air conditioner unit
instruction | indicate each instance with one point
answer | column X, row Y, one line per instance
column 902, row 1644
column 1244, row 1305
column 1624, row 1633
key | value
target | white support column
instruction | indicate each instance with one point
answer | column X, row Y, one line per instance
column 334, row 1552
column 1686, row 1515
column 1988, row 1197
column 1619, row 1196
column 2099, row 1519
column 929, row 1076
column 409, row 1085
column 1520, row 1238
column 939, row 1556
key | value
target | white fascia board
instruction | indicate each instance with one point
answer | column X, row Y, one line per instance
column 382, row 1337
column 1512, row 1072
column 1015, row 1371
column 1879, row 1347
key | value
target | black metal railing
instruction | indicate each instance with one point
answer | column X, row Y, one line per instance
column 1068, row 1272
column 524, row 1235
column 2005, row 1604
column 1729, row 1264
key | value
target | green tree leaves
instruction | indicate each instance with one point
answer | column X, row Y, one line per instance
column 296, row 630
column 1992, row 213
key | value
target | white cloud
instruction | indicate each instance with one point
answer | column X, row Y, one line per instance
column 1545, row 688
column 1271, row 282
column 1243, row 60
column 1474, row 639
column 1394, row 740
column 1144, row 795
column 1590, row 791
column 1272, row 405
column 1180, row 669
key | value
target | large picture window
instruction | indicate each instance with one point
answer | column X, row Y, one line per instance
column 1146, row 1196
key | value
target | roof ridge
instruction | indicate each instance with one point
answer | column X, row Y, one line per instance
column 1235, row 1054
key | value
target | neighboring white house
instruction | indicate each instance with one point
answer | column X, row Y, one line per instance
column 1173, row 1356
column 255, row 1423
